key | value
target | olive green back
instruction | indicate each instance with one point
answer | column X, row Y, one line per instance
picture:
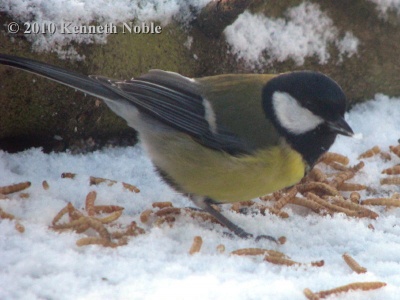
column 236, row 100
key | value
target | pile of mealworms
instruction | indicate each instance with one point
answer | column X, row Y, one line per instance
column 325, row 190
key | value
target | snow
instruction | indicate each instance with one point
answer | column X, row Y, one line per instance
column 384, row 6
column 43, row 264
column 85, row 12
column 307, row 31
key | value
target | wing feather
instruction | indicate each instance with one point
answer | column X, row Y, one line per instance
column 176, row 101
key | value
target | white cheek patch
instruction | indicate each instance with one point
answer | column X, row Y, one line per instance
column 292, row 116
column 209, row 115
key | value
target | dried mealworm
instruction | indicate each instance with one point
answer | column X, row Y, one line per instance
column 258, row 251
column 250, row 251
column 95, row 241
column 390, row 180
column 392, row 171
column 269, row 197
column 236, row 207
column 358, row 167
column 310, row 295
column 134, row 230
column 97, row 180
column 246, row 203
column 359, row 210
column 196, row 246
column 107, row 209
column 277, row 194
column 162, row 204
column 331, row 207
column 73, row 213
column 19, row 227
column 342, row 177
column 168, row 211
column 60, row 214
column 317, row 186
column 349, row 187
column 281, row 261
column 346, row 175
column 203, row 216
column 110, row 218
column 337, row 166
column 221, row 248
column 45, row 185
column 318, row 263
column 89, row 203
column 353, row 264
column 396, row 196
column 81, row 228
column 130, row 187
column 364, row 286
column 282, row 240
column 277, row 254
column 386, row 156
column 285, row 199
column 68, row 175
column 117, row 234
column 370, row 152
column 131, row 230
column 334, row 157
column 382, row 201
column 70, row 225
column 5, row 215
column 84, row 222
column 395, row 150
column 317, row 175
column 145, row 215
column 13, row 188
column 99, row 227
column 169, row 219
column 355, row 197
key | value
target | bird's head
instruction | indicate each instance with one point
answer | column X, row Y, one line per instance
column 307, row 108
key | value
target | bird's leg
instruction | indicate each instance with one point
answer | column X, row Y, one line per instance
column 205, row 204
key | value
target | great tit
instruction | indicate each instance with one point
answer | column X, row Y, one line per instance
column 224, row 138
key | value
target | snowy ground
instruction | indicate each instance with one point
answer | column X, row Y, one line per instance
column 43, row 264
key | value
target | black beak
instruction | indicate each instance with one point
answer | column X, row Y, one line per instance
column 340, row 126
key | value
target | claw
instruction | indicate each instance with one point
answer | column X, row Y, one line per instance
column 266, row 237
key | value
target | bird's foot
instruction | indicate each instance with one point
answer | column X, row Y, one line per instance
column 248, row 236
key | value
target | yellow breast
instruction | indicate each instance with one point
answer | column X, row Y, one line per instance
column 222, row 177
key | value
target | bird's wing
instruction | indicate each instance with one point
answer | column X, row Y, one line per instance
column 178, row 102
column 222, row 112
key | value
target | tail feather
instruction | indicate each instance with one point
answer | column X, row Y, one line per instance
column 96, row 86
column 66, row 77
